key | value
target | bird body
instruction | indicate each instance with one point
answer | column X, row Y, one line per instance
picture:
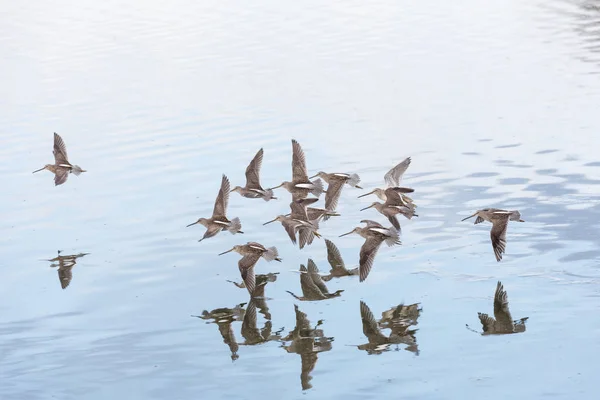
column 392, row 180
column 61, row 167
column 499, row 219
column 503, row 322
column 312, row 285
column 253, row 189
column 334, row 258
column 301, row 186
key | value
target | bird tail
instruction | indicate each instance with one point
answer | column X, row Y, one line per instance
column 317, row 190
column 235, row 226
column 353, row 180
column 393, row 238
column 269, row 195
column 271, row 254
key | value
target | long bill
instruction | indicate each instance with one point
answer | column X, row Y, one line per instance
column 276, row 187
column 193, row 223
column 346, row 234
column 267, row 223
column 225, row 252
column 38, row 170
column 366, row 208
column 470, row 216
column 314, row 176
column 366, row 194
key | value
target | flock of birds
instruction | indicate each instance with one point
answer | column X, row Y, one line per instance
column 302, row 224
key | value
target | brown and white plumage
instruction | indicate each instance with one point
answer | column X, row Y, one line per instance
column 219, row 221
column 61, row 167
column 336, row 182
column 65, row 266
column 499, row 219
column 375, row 234
column 253, row 188
column 335, row 260
column 301, row 186
column 503, row 322
column 224, row 317
column 312, row 285
column 393, row 206
column 297, row 222
column 392, row 181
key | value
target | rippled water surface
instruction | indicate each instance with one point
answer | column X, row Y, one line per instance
column 497, row 103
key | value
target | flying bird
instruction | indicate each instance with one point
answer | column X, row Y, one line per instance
column 61, row 167
column 253, row 189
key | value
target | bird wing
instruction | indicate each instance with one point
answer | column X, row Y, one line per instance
column 65, row 274
column 60, row 176
column 393, row 198
column 253, row 171
column 371, row 224
column 498, row 236
column 334, row 257
column 310, row 291
column 313, row 272
column 298, row 208
column 370, row 327
column 222, row 198
column 368, row 251
column 302, row 322
column 60, row 151
column 394, row 175
column 212, row 230
column 289, row 227
column 501, row 311
column 299, row 173
column 305, row 236
column 246, row 267
column 249, row 323
column 487, row 322
column 394, row 221
column 332, row 196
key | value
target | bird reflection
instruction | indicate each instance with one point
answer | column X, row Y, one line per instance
column 503, row 322
column 313, row 287
column 250, row 330
column 224, row 317
column 399, row 320
column 65, row 266
column 338, row 268
column 258, row 294
column 308, row 342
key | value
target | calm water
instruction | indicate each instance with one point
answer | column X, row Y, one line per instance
column 496, row 102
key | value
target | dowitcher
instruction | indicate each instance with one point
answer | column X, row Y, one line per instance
column 65, row 266
column 224, row 317
column 307, row 342
column 338, row 268
column 297, row 222
column 301, row 186
column 499, row 219
column 219, row 222
column 253, row 189
column 250, row 330
column 375, row 234
column 261, row 281
column 392, row 207
column 503, row 322
column 378, row 342
column 312, row 285
column 251, row 252
column 61, row 167
column 335, row 182
column 392, row 180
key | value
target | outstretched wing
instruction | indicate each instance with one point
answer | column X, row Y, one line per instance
column 246, row 267
column 60, row 151
column 222, row 198
column 394, row 175
column 498, row 236
column 368, row 251
column 370, row 327
column 487, row 322
column 501, row 311
column 253, row 171
column 334, row 257
column 313, row 272
column 299, row 173
column 60, row 176
column 65, row 275
column 332, row 196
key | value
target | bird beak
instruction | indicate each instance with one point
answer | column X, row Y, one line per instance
column 470, row 216
column 366, row 194
column 366, row 208
column 277, row 187
column 187, row 226
column 345, row 234
column 521, row 220
column 225, row 252
column 38, row 170
column 314, row 176
column 267, row 223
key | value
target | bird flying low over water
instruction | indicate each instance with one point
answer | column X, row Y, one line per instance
column 499, row 219
column 336, row 182
column 393, row 206
column 253, row 189
column 301, row 186
column 375, row 234
column 298, row 222
column 61, row 167
column 219, row 222
column 338, row 268
column 251, row 252
column 392, row 180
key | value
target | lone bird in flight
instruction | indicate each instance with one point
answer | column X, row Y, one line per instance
column 61, row 167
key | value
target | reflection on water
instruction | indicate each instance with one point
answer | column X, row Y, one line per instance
column 503, row 322
column 307, row 342
column 398, row 320
column 65, row 264
column 224, row 317
column 250, row 330
column 312, row 284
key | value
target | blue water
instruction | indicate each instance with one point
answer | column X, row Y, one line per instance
column 496, row 103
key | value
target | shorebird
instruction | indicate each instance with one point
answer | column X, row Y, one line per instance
column 308, row 342
column 318, row 214
column 253, row 189
column 224, row 317
column 378, row 342
column 392, row 207
column 219, row 222
column 313, row 287
column 503, row 322
column 375, row 234
column 335, row 182
column 251, row 252
column 298, row 222
column 65, row 266
column 392, row 180
column 261, row 281
column 300, row 186
column 499, row 219
column 338, row 269
column 61, row 167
